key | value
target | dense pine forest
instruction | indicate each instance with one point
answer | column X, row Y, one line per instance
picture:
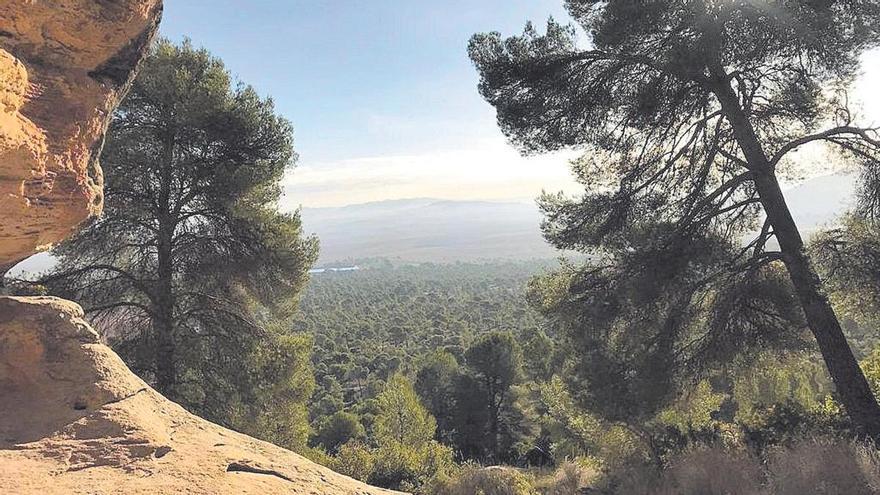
column 386, row 318
column 440, row 330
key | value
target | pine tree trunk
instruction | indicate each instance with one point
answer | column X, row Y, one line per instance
column 849, row 380
column 852, row 387
column 163, row 319
column 494, row 412
column 163, row 324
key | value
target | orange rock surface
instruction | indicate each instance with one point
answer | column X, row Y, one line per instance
column 63, row 66
column 75, row 420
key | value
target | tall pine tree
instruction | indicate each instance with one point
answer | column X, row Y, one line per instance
column 690, row 112
column 192, row 269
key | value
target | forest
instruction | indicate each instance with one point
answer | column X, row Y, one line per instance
column 690, row 341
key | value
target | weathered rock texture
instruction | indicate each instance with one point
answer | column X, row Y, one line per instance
column 63, row 66
column 75, row 420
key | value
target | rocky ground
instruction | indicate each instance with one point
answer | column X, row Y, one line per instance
column 75, row 420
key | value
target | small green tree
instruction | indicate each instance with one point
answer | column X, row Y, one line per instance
column 539, row 353
column 355, row 459
column 272, row 397
column 402, row 419
column 407, row 455
column 496, row 361
column 435, row 384
column 339, row 429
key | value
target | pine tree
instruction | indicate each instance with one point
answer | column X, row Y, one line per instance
column 689, row 113
column 192, row 269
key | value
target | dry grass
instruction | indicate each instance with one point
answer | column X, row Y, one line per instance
column 810, row 467
column 571, row 478
column 825, row 467
column 707, row 471
column 815, row 466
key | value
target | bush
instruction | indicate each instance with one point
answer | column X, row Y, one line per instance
column 779, row 424
column 824, row 466
column 339, row 429
column 496, row 480
column 354, row 459
column 570, row 479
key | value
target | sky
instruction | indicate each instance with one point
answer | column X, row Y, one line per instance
column 382, row 94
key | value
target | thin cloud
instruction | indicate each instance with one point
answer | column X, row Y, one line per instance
column 493, row 170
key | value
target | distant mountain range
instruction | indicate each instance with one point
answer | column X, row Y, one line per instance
column 428, row 230
column 819, row 202
column 435, row 230
column 442, row 231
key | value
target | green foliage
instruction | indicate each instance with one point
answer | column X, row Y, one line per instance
column 871, row 366
column 539, row 352
column 405, row 455
column 474, row 480
column 485, row 414
column 273, row 400
column 339, row 429
column 848, row 258
column 402, row 418
column 798, row 379
column 354, row 459
column 687, row 114
column 575, row 433
column 496, row 360
column 641, row 327
column 192, row 271
column 436, row 384
column 370, row 323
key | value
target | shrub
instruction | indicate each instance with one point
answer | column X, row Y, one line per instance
column 354, row 459
column 570, row 479
column 825, row 467
column 496, row 480
column 339, row 429
column 778, row 424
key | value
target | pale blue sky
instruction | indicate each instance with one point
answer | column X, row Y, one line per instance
column 381, row 93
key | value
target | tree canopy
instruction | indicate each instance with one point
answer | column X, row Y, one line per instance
column 688, row 112
column 192, row 266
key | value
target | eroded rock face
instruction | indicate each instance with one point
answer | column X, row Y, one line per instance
column 74, row 419
column 64, row 64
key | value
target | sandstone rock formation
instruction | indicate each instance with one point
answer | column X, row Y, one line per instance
column 63, row 66
column 74, row 419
